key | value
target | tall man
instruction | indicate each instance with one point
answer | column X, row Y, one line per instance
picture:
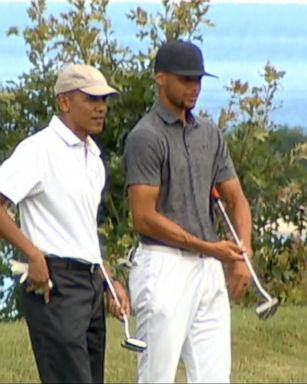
column 56, row 177
column 177, row 285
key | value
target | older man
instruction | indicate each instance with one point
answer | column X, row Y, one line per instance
column 56, row 177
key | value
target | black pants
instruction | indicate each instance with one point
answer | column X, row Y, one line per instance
column 68, row 334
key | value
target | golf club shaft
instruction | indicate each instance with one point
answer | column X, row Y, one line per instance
column 236, row 239
column 110, row 285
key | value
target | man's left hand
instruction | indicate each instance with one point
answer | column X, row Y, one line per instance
column 238, row 279
column 123, row 298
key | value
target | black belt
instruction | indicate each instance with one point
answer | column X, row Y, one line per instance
column 70, row 264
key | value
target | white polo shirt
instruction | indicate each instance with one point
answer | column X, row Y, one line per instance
column 58, row 189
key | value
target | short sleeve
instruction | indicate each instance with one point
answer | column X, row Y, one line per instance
column 225, row 166
column 21, row 174
column 142, row 158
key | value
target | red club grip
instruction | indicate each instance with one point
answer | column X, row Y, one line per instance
column 214, row 193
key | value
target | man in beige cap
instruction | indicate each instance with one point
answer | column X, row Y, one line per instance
column 56, row 177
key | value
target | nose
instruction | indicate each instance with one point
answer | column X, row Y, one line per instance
column 101, row 104
column 196, row 86
column 195, row 83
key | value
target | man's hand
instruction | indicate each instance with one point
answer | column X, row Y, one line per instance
column 38, row 275
column 123, row 298
column 238, row 279
column 238, row 276
column 225, row 251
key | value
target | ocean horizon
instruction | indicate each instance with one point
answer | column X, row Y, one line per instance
column 245, row 37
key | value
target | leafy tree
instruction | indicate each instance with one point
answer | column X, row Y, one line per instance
column 271, row 163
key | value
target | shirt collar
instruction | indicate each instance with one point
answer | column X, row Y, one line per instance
column 70, row 138
column 169, row 117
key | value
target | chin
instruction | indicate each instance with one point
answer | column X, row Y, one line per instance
column 96, row 130
column 189, row 106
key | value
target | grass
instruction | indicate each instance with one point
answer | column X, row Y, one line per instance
column 272, row 351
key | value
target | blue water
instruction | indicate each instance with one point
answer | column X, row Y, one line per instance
column 244, row 38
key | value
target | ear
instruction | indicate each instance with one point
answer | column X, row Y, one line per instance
column 160, row 78
column 63, row 103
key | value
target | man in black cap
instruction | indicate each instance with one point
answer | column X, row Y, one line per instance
column 177, row 285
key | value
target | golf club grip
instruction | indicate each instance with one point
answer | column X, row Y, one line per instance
column 227, row 223
column 110, row 285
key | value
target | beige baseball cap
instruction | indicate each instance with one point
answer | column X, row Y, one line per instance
column 85, row 78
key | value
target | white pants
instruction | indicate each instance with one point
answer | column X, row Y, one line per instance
column 182, row 311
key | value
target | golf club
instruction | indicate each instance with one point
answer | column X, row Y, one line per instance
column 269, row 306
column 129, row 342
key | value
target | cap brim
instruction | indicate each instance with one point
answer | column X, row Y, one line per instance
column 193, row 73
column 210, row 75
column 99, row 90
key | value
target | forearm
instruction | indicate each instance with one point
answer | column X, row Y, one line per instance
column 238, row 210
column 161, row 228
column 108, row 270
column 149, row 222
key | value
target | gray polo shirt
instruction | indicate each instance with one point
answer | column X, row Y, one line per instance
column 184, row 161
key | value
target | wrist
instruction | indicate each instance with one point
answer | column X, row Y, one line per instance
column 105, row 285
column 249, row 252
column 34, row 255
column 207, row 248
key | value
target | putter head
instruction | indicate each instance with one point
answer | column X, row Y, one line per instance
column 134, row 344
column 267, row 308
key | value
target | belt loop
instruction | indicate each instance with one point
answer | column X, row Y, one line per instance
column 92, row 268
column 139, row 246
column 132, row 251
column 68, row 264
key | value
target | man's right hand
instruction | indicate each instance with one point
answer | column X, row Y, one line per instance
column 225, row 251
column 38, row 275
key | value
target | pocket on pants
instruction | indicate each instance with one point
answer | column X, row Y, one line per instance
column 143, row 278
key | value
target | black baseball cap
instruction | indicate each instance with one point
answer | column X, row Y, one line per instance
column 181, row 58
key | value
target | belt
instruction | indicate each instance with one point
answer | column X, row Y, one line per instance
column 168, row 249
column 71, row 264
